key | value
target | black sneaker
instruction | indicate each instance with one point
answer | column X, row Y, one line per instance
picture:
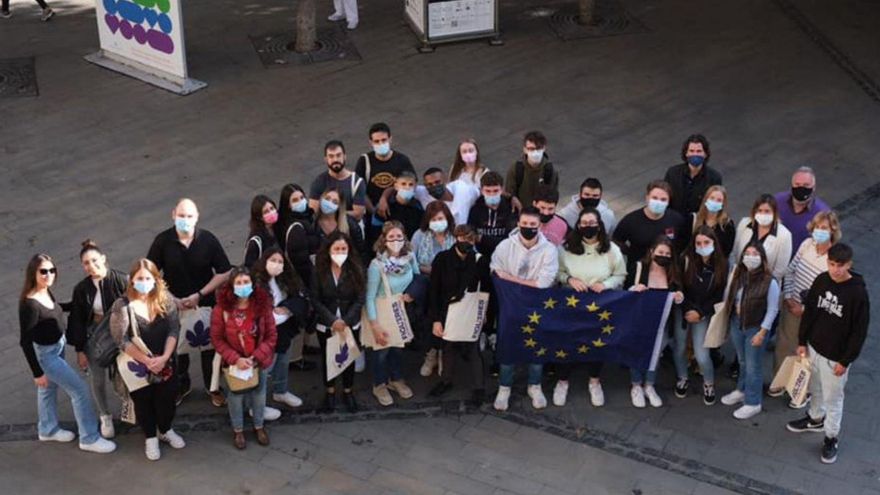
column 806, row 424
column 829, row 451
column 708, row 394
column 329, row 405
column 440, row 389
column 184, row 391
column 5, row 14
column 681, row 388
column 351, row 405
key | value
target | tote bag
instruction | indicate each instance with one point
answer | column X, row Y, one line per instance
column 340, row 352
column 195, row 330
column 134, row 373
column 391, row 316
column 464, row 318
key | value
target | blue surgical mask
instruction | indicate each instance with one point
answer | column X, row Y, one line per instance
column 328, row 207
column 300, row 206
column 696, row 160
column 382, row 149
column 821, row 236
column 243, row 291
column 406, row 194
column 706, row 250
column 713, row 206
column 438, row 225
column 183, row 225
column 657, row 207
column 492, row 200
column 144, row 287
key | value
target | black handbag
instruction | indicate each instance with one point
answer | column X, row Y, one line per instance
column 100, row 346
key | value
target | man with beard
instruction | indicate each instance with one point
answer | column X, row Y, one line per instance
column 352, row 189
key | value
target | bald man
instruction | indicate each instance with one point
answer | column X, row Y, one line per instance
column 799, row 205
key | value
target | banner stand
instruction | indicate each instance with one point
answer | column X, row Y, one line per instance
column 128, row 67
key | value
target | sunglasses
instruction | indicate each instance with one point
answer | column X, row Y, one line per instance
column 46, row 271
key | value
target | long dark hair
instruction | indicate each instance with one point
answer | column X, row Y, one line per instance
column 352, row 266
column 30, row 274
column 574, row 240
column 288, row 280
column 673, row 273
column 257, row 224
column 694, row 262
column 741, row 274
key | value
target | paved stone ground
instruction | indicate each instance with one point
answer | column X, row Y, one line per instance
column 104, row 156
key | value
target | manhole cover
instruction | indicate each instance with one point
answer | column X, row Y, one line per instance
column 278, row 49
column 17, row 77
column 611, row 19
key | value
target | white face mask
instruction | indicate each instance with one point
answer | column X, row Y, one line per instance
column 764, row 219
column 274, row 268
column 536, row 156
column 751, row 261
column 339, row 259
column 395, row 246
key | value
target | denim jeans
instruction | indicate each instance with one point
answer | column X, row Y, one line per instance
column 386, row 364
column 698, row 337
column 636, row 377
column 751, row 369
column 505, row 374
column 60, row 374
column 98, row 380
column 255, row 399
column 280, row 372
column 827, row 391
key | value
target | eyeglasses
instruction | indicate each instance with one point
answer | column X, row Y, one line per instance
column 46, row 271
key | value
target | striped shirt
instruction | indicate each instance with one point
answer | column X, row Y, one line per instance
column 803, row 270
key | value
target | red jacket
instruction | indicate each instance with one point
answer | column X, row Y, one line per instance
column 225, row 339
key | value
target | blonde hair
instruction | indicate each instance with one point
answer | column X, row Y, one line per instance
column 833, row 222
column 158, row 299
column 702, row 213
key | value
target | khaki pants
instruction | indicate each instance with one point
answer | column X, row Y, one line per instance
column 786, row 338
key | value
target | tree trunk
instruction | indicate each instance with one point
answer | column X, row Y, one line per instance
column 586, row 12
column 306, row 37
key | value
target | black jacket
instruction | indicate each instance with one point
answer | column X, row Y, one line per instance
column 81, row 312
column 326, row 297
column 450, row 276
column 491, row 230
column 357, row 237
column 701, row 294
column 299, row 240
column 835, row 319
column 255, row 248
column 688, row 199
column 410, row 215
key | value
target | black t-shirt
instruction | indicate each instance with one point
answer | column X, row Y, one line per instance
column 187, row 270
column 382, row 174
column 636, row 233
column 351, row 189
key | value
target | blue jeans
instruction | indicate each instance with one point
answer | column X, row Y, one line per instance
column 751, row 369
column 255, row 399
column 698, row 337
column 59, row 373
column 636, row 377
column 505, row 374
column 280, row 372
column 386, row 363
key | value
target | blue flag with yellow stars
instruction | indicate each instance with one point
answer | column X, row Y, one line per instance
column 564, row 326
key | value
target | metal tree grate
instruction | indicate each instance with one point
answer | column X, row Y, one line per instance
column 277, row 50
column 18, row 77
column 611, row 19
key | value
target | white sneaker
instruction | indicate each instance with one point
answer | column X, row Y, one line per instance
column 288, row 399
column 597, row 395
column 537, row 395
column 560, row 393
column 352, row 26
column 107, row 429
column 173, row 439
column 746, row 412
column 637, row 394
column 652, row 396
column 733, row 398
column 62, row 436
column 152, row 449
column 336, row 16
column 271, row 414
column 360, row 363
column 429, row 364
column 501, row 400
column 100, row 446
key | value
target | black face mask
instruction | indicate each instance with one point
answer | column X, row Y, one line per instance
column 528, row 233
column 336, row 167
column 663, row 261
column 464, row 247
column 589, row 232
column 437, row 191
column 546, row 218
column 801, row 193
column 589, row 202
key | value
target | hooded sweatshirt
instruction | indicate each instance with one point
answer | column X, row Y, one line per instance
column 835, row 319
column 539, row 262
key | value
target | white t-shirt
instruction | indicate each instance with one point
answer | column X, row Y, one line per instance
column 464, row 195
column 98, row 303
column 278, row 295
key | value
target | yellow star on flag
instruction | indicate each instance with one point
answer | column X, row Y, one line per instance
column 527, row 329
column 530, row 342
column 561, row 354
column 583, row 349
column 541, row 351
column 572, row 301
column 605, row 315
column 534, row 318
column 598, row 343
column 593, row 307
column 606, row 330
column 550, row 303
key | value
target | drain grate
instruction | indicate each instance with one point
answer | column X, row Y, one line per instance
column 611, row 20
column 18, row 77
column 277, row 50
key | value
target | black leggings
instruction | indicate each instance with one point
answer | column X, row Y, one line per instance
column 470, row 351
column 6, row 5
column 348, row 374
column 154, row 406
column 563, row 370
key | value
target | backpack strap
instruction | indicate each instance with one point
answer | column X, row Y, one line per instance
column 259, row 243
column 287, row 234
column 366, row 166
column 519, row 170
column 547, row 176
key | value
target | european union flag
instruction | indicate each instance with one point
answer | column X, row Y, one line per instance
column 561, row 325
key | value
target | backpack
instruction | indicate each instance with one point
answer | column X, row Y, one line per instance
column 520, row 170
column 259, row 242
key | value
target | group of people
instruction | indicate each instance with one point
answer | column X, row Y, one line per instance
column 319, row 260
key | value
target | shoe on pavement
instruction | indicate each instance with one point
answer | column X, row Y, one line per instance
column 681, row 388
column 269, row 413
column 652, row 396
column 805, row 403
column 217, row 399
column 107, row 429
column 429, row 364
column 60, row 435
column 5, row 15
column 288, row 399
column 637, row 394
column 47, row 14
column 262, row 436
column 560, row 393
column 382, row 395
column 597, row 395
column 400, row 388
column 829, row 451
column 440, row 389
column 537, row 395
column 351, row 26
column 336, row 17
column 238, row 440
column 182, row 395
column 708, row 394
column 502, row 399
column 99, row 446
column 351, row 404
column 152, row 449
column 775, row 392
column 173, row 439
column 746, row 412
column 806, row 424
column 733, row 398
